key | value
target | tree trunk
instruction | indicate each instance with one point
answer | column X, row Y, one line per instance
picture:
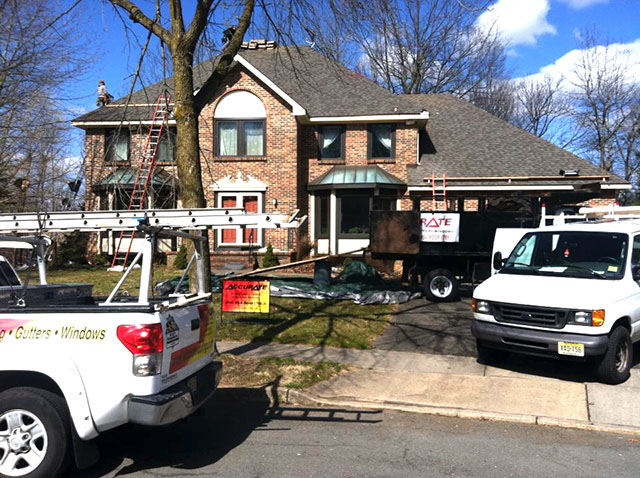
column 188, row 147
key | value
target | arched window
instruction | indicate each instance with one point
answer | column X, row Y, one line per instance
column 240, row 125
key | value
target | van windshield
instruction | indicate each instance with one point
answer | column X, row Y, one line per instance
column 591, row 255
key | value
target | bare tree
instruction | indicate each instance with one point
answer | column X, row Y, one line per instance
column 543, row 108
column 39, row 55
column 605, row 103
column 413, row 46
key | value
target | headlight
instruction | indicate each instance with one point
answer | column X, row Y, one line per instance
column 587, row 317
column 481, row 306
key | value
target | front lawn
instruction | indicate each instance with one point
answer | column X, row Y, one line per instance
column 291, row 321
column 307, row 321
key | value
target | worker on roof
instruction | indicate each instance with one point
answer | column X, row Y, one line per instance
column 104, row 98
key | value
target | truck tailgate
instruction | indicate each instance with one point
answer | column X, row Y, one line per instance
column 189, row 334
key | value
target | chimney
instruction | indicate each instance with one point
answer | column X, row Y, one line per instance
column 258, row 45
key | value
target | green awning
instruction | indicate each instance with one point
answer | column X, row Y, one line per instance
column 126, row 177
column 356, row 177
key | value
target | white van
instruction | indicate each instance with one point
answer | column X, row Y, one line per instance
column 567, row 291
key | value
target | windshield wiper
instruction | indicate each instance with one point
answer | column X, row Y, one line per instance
column 511, row 265
column 585, row 269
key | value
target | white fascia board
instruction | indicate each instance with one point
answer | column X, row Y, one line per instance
column 369, row 118
column 80, row 124
column 495, row 188
column 297, row 109
column 615, row 186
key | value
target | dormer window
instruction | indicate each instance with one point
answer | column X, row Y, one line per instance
column 240, row 125
column 331, row 142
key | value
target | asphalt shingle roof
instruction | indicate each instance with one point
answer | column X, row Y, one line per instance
column 470, row 142
column 321, row 86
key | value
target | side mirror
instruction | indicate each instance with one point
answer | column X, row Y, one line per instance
column 497, row 260
column 635, row 273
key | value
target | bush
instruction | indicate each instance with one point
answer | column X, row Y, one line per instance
column 270, row 259
column 180, row 262
column 100, row 260
column 71, row 249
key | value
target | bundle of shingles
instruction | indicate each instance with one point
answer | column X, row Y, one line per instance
column 258, row 44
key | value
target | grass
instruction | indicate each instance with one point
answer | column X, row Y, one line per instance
column 254, row 372
column 103, row 281
column 291, row 321
column 306, row 321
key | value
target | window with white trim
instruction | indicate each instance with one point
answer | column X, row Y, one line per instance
column 240, row 119
column 248, row 236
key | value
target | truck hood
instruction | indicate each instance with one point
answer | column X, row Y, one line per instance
column 561, row 292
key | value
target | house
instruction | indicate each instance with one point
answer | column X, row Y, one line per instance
column 290, row 129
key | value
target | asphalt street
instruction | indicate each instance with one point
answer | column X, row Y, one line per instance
column 236, row 439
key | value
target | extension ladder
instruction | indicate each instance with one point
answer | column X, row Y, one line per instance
column 144, row 177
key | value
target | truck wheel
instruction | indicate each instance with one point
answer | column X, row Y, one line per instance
column 34, row 433
column 489, row 356
column 440, row 285
column 615, row 365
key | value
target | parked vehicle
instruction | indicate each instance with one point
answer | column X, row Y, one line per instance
column 567, row 291
column 439, row 250
column 73, row 365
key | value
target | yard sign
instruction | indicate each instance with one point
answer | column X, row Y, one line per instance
column 439, row 227
column 245, row 296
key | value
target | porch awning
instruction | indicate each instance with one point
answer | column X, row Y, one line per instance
column 356, row 177
column 125, row 177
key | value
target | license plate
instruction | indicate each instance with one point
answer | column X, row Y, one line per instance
column 569, row 348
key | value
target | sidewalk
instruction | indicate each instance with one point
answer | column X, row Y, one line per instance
column 459, row 386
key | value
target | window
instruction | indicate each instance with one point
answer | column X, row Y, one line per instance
column 384, row 203
column 331, row 142
column 240, row 125
column 322, row 216
column 165, row 153
column 354, row 216
column 117, row 146
column 382, row 141
column 240, row 138
column 251, row 202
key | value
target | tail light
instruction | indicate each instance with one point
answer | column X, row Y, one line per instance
column 145, row 342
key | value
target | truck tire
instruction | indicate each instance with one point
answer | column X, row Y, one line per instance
column 489, row 356
column 34, row 433
column 440, row 285
column 615, row 365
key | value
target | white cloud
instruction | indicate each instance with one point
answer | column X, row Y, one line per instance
column 626, row 55
column 578, row 4
column 519, row 23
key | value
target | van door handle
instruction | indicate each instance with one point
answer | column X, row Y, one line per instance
column 195, row 324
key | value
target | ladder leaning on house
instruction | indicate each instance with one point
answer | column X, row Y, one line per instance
column 144, row 178
column 438, row 192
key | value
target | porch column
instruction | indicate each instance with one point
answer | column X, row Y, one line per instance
column 312, row 218
column 333, row 223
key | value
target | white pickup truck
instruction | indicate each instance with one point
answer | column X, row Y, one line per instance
column 73, row 365
column 567, row 291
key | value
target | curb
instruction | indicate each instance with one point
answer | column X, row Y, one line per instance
column 283, row 395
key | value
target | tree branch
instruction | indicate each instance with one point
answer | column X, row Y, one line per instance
column 139, row 17
column 226, row 57
column 198, row 23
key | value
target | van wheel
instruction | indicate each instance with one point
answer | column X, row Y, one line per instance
column 615, row 365
column 34, row 433
column 440, row 285
column 489, row 356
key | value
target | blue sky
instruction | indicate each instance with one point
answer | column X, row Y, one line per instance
column 539, row 33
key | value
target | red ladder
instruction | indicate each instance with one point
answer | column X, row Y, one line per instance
column 144, row 176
